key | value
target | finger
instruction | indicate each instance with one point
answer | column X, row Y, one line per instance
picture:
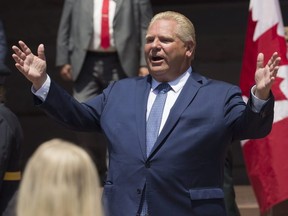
column 275, row 55
column 24, row 48
column 16, row 50
column 19, row 53
column 19, row 64
column 275, row 71
column 17, row 59
column 272, row 60
column 260, row 61
column 20, row 68
column 275, row 63
column 41, row 53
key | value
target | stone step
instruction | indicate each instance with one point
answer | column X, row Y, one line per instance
column 248, row 205
column 246, row 200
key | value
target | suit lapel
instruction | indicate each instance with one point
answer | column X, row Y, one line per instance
column 118, row 7
column 186, row 96
column 142, row 93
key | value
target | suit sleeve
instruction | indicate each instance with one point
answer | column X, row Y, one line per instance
column 243, row 121
column 63, row 35
column 146, row 13
column 67, row 111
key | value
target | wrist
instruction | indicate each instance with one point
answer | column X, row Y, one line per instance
column 262, row 94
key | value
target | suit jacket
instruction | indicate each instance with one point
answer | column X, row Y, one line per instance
column 76, row 29
column 184, row 172
column 10, row 155
column 3, row 43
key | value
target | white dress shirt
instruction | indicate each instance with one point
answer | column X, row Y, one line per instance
column 97, row 15
column 172, row 95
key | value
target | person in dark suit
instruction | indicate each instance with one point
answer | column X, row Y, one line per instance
column 181, row 173
column 92, row 65
column 11, row 136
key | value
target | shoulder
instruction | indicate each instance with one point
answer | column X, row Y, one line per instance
column 214, row 84
column 132, row 81
column 127, row 85
column 8, row 117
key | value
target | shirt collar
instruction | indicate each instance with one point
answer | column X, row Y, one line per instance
column 176, row 84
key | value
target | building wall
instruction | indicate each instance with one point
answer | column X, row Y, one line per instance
column 220, row 30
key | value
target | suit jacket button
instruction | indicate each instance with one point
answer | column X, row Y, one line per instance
column 139, row 191
column 147, row 165
column 263, row 114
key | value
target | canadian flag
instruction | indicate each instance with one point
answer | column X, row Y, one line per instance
column 267, row 159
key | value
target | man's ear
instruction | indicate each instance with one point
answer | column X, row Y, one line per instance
column 190, row 48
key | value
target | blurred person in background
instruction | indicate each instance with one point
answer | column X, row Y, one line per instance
column 60, row 179
column 11, row 136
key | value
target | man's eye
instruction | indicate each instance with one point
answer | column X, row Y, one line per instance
column 149, row 40
column 166, row 40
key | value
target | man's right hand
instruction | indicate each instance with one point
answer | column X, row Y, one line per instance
column 31, row 66
column 66, row 72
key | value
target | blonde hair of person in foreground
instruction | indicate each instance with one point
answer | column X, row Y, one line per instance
column 60, row 179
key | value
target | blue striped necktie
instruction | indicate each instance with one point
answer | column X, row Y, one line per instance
column 153, row 126
column 155, row 116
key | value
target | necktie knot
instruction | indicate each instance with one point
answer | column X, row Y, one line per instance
column 163, row 88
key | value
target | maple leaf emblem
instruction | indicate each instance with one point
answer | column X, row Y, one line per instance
column 277, row 92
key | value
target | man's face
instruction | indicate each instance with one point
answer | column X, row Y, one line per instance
column 166, row 55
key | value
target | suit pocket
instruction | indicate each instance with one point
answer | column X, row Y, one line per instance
column 206, row 193
column 207, row 202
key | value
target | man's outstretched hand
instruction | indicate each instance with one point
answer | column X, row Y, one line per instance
column 266, row 75
column 31, row 66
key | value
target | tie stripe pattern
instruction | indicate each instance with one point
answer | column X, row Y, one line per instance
column 153, row 125
column 155, row 116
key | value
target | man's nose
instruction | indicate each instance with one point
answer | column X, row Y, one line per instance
column 156, row 44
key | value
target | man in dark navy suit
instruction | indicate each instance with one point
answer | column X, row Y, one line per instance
column 182, row 172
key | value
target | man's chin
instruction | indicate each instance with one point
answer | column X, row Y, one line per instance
column 160, row 76
column 157, row 70
column 156, row 73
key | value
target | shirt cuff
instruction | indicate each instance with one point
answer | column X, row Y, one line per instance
column 257, row 103
column 43, row 91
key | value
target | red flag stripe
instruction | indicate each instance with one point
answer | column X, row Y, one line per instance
column 266, row 159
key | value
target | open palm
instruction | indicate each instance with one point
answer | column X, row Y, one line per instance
column 31, row 66
column 265, row 75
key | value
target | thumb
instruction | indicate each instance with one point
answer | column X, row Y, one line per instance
column 40, row 52
column 260, row 61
